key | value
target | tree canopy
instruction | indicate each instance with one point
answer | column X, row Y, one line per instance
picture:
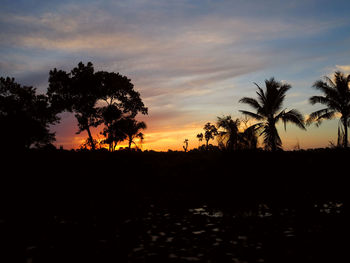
column 94, row 97
column 25, row 116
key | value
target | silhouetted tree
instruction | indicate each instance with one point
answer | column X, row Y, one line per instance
column 249, row 137
column 230, row 138
column 268, row 112
column 118, row 91
column 87, row 145
column 83, row 92
column 132, row 129
column 114, row 133
column 336, row 99
column 186, row 145
column 76, row 92
column 210, row 131
column 200, row 137
column 24, row 116
column 230, row 135
column 122, row 104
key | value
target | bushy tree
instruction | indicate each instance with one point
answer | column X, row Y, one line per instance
column 114, row 134
column 121, row 103
column 25, row 116
column 95, row 98
column 76, row 92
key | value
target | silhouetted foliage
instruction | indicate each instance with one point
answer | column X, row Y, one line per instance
column 337, row 100
column 76, row 92
column 82, row 89
column 132, row 131
column 24, row 116
column 114, row 133
column 231, row 138
column 210, row 131
column 199, row 137
column 118, row 91
column 268, row 112
column 185, row 147
column 87, row 145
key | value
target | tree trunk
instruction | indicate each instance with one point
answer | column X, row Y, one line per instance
column 273, row 135
column 90, row 138
column 130, row 141
column 345, row 140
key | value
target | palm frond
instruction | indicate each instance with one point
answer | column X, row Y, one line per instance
column 320, row 115
column 326, row 89
column 319, row 99
column 253, row 115
column 261, row 95
column 251, row 102
column 295, row 117
column 330, row 82
column 254, row 128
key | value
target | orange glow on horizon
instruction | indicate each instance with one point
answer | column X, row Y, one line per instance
column 164, row 138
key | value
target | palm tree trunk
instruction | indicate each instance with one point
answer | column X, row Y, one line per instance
column 273, row 131
column 345, row 122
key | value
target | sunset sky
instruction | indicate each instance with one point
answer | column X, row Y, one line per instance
column 191, row 61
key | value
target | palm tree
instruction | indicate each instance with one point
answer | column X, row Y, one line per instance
column 210, row 133
column 249, row 137
column 132, row 130
column 232, row 139
column 230, row 135
column 336, row 99
column 268, row 111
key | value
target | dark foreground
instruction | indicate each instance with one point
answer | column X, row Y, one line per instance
column 174, row 207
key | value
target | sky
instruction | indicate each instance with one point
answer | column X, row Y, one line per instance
column 191, row 61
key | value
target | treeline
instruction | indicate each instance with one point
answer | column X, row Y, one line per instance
column 109, row 99
column 268, row 111
column 95, row 98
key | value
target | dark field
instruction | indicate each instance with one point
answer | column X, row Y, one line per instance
column 174, row 207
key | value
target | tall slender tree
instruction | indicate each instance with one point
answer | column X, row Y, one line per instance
column 269, row 112
column 336, row 98
column 185, row 146
column 210, row 131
